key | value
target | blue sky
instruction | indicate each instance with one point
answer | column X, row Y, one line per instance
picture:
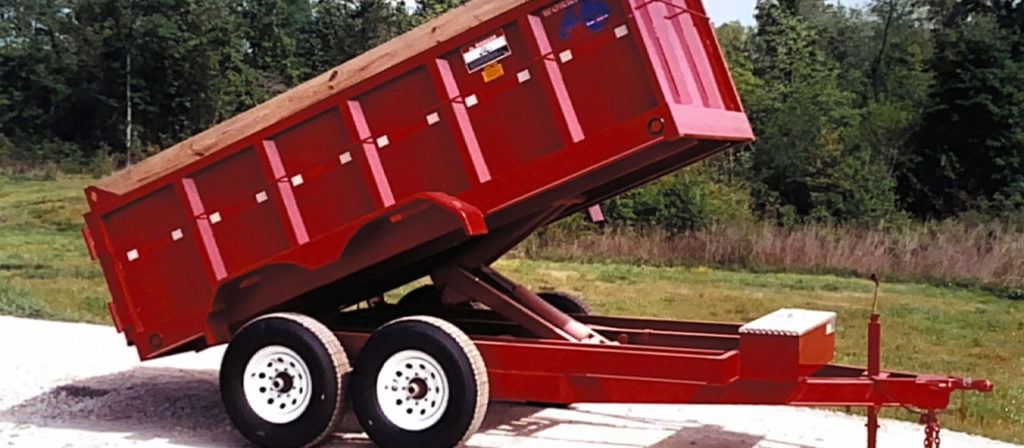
column 722, row 11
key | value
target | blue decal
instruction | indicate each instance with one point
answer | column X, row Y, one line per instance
column 591, row 13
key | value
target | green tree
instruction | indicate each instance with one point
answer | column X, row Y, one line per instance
column 690, row 200
column 805, row 121
column 897, row 79
column 428, row 9
column 971, row 147
column 272, row 34
column 341, row 30
column 36, row 61
column 187, row 71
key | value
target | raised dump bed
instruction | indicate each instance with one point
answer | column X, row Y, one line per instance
column 516, row 111
column 433, row 155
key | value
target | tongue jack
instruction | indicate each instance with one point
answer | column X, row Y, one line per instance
column 874, row 362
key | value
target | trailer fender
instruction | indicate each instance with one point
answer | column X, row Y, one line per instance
column 418, row 219
column 378, row 234
column 413, row 221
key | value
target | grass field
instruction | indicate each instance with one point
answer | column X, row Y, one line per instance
column 925, row 328
column 45, row 272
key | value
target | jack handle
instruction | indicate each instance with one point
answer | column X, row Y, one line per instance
column 874, row 303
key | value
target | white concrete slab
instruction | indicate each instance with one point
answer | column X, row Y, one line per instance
column 64, row 384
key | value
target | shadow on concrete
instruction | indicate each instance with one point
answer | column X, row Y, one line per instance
column 180, row 406
column 183, row 407
column 584, row 427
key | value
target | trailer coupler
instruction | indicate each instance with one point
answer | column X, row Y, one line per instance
column 929, row 417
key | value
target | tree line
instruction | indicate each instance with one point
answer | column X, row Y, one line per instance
column 70, row 70
column 899, row 109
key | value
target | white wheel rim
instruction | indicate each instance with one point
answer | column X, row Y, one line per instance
column 277, row 384
column 412, row 390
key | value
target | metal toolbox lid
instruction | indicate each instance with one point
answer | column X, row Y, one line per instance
column 791, row 322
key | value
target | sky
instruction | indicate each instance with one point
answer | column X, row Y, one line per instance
column 722, row 11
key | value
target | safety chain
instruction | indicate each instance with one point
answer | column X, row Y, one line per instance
column 932, row 439
column 929, row 419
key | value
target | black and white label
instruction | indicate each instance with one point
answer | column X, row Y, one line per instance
column 488, row 50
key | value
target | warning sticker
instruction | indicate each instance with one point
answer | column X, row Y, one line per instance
column 486, row 51
column 493, row 71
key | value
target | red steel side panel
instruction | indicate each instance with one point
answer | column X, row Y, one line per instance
column 567, row 101
column 163, row 270
column 416, row 156
column 505, row 123
column 601, row 64
column 323, row 146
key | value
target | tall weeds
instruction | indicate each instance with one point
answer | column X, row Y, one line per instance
column 990, row 253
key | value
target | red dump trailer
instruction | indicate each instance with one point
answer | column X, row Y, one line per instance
column 432, row 156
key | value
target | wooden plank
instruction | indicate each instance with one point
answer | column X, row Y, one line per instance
column 356, row 70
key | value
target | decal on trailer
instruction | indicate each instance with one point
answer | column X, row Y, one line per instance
column 486, row 51
column 592, row 14
column 493, row 71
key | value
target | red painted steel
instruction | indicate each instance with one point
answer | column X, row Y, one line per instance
column 682, row 371
column 437, row 167
column 786, row 358
column 874, row 368
column 577, row 110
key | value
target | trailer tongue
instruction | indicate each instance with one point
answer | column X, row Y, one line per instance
column 432, row 156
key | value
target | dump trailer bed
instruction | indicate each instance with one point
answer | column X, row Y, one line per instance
column 434, row 155
column 405, row 152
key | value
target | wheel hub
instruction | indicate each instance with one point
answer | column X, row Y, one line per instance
column 283, row 383
column 277, row 384
column 412, row 390
column 418, row 389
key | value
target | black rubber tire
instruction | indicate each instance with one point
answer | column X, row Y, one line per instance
column 463, row 367
column 566, row 303
column 329, row 370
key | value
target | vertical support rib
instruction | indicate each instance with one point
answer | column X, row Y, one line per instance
column 483, row 173
column 655, row 50
column 671, row 47
column 387, row 198
column 572, row 122
column 204, row 228
column 284, row 187
column 697, row 60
